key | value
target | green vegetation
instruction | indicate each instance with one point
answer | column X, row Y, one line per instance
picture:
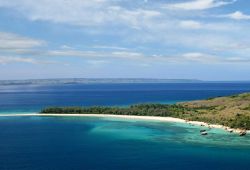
column 140, row 110
column 247, row 108
column 232, row 111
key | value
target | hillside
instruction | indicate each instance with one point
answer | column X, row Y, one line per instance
column 233, row 111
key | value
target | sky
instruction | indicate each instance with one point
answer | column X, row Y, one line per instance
column 170, row 39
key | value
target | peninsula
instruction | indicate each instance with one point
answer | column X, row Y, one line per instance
column 229, row 112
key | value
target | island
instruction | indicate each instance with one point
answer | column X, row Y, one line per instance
column 72, row 81
column 231, row 112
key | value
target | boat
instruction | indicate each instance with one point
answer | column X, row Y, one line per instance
column 204, row 133
column 243, row 133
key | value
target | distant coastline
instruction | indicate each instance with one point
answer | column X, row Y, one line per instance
column 107, row 81
column 94, row 81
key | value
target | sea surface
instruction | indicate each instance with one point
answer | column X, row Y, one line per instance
column 112, row 144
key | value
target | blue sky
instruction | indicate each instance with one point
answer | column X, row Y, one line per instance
column 175, row 39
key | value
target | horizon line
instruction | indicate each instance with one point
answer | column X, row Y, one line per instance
column 139, row 78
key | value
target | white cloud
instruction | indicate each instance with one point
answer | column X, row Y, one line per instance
column 153, row 25
column 208, row 58
column 96, row 54
column 19, row 45
column 238, row 59
column 98, row 57
column 80, row 12
column 97, row 62
column 134, row 18
column 9, row 59
column 200, row 57
column 109, row 47
column 238, row 15
column 189, row 24
column 13, row 41
column 28, row 60
column 198, row 4
column 66, row 47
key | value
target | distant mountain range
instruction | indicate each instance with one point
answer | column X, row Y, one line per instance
column 94, row 81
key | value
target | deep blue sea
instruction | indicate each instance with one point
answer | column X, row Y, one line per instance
column 112, row 144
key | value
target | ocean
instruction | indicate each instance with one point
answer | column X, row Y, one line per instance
column 110, row 144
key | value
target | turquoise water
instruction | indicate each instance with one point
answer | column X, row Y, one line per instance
column 169, row 132
column 112, row 144
column 97, row 143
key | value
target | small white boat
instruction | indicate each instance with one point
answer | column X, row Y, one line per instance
column 203, row 133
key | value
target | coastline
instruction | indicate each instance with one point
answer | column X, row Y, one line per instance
column 132, row 117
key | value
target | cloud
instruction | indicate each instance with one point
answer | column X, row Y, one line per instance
column 100, row 57
column 97, row 62
column 96, row 54
column 80, row 12
column 109, row 47
column 155, row 29
column 97, row 58
column 13, row 46
column 203, row 26
column 19, row 47
column 200, row 57
column 9, row 59
column 238, row 60
column 13, row 41
column 113, row 55
column 198, row 4
column 238, row 15
column 138, row 24
column 28, row 60
column 210, row 59
column 189, row 24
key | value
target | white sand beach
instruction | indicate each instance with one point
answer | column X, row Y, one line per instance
column 152, row 118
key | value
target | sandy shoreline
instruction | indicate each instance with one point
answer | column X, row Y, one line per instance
column 153, row 118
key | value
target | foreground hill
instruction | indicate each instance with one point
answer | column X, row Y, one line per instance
column 232, row 111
